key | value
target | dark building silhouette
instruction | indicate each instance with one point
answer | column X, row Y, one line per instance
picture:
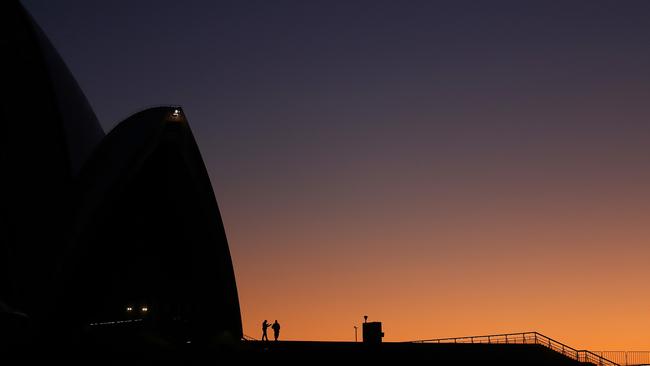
column 93, row 224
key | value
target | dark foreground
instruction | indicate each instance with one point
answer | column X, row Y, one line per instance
column 294, row 352
column 409, row 353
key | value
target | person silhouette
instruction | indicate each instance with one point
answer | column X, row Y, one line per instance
column 276, row 330
column 265, row 326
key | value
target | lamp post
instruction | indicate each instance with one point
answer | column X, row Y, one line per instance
column 355, row 333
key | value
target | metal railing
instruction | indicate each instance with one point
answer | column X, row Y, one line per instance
column 530, row 338
column 627, row 358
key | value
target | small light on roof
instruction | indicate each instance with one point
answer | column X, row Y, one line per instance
column 177, row 112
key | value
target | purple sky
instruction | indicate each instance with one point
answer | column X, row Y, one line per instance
column 346, row 129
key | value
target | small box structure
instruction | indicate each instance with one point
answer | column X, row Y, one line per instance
column 372, row 332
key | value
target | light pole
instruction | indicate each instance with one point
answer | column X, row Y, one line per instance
column 355, row 333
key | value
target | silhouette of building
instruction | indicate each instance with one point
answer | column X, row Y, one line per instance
column 92, row 224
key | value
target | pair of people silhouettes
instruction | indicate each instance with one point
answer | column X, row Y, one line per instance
column 275, row 327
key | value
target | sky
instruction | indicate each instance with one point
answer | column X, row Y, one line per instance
column 449, row 168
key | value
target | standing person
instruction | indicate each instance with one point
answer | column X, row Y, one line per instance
column 265, row 326
column 276, row 330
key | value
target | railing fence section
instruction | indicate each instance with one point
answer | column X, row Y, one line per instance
column 601, row 359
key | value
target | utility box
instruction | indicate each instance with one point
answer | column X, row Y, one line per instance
column 372, row 332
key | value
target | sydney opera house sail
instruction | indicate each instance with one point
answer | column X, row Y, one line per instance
column 102, row 228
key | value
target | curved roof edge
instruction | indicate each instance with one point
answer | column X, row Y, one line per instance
column 81, row 128
column 117, row 161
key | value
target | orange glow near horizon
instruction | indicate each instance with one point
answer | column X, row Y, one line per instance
column 571, row 264
column 581, row 299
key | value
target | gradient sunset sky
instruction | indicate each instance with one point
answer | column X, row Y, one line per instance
column 448, row 168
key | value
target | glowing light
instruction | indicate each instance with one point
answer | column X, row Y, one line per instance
column 144, row 309
column 128, row 308
column 177, row 112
